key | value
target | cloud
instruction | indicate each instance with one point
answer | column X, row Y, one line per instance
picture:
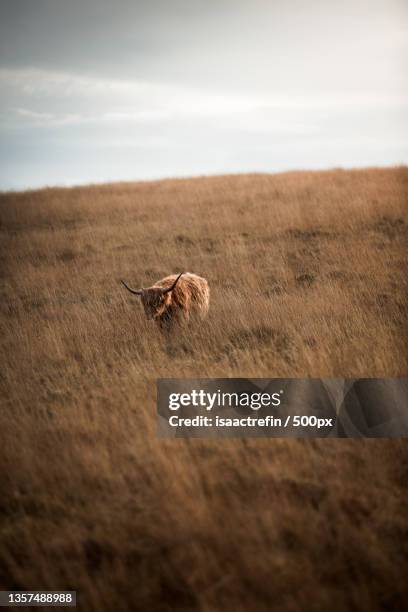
column 90, row 99
column 28, row 114
column 216, row 85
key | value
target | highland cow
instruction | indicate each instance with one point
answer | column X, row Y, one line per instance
column 175, row 299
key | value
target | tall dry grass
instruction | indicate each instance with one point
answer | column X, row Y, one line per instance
column 308, row 278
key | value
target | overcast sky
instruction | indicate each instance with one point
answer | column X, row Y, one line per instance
column 98, row 90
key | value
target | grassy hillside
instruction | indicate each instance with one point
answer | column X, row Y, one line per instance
column 308, row 278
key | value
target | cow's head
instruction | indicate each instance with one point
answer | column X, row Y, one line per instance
column 155, row 300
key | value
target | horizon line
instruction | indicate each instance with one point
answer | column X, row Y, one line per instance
column 186, row 177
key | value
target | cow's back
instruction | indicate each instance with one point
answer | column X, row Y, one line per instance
column 191, row 294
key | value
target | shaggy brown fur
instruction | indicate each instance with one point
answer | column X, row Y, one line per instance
column 175, row 298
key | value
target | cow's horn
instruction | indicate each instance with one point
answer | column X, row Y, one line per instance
column 174, row 284
column 135, row 291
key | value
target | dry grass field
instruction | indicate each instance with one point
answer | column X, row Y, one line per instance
column 308, row 278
